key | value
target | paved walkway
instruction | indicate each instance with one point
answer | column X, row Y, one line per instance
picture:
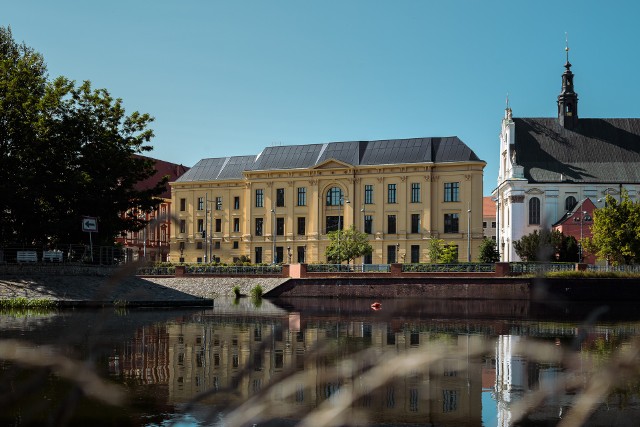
column 128, row 289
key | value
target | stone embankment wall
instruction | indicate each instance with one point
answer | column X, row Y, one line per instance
column 432, row 288
column 106, row 285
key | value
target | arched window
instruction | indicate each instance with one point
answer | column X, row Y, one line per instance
column 569, row 203
column 534, row 210
column 334, row 197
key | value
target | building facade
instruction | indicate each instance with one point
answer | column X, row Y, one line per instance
column 279, row 206
column 547, row 165
column 489, row 218
column 152, row 242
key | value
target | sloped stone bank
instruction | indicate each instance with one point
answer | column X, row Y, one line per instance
column 128, row 290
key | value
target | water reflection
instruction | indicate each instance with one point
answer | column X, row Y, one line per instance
column 412, row 363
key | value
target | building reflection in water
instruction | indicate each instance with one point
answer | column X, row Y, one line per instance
column 245, row 354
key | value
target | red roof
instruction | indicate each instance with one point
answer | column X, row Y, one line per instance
column 162, row 169
column 488, row 207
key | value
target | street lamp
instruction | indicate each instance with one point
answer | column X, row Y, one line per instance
column 469, row 235
column 342, row 200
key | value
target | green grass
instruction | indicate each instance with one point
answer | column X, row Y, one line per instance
column 31, row 303
column 256, row 292
column 236, row 291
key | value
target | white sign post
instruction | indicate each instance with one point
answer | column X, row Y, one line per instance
column 90, row 225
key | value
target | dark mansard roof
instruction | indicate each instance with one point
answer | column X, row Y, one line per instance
column 596, row 150
column 356, row 153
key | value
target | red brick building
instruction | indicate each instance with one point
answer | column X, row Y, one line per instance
column 152, row 243
column 577, row 223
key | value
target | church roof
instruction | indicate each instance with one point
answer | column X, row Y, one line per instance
column 597, row 150
column 356, row 153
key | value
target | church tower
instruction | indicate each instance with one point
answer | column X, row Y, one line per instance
column 568, row 99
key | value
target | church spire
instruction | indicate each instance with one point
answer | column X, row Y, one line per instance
column 568, row 99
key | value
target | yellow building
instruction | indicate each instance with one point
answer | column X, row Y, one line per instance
column 280, row 205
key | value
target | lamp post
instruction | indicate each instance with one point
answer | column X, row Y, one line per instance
column 585, row 217
column 469, row 235
column 273, row 232
column 341, row 201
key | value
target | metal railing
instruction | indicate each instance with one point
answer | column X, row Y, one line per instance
column 234, row 269
column 535, row 267
column 71, row 253
column 348, row 268
column 462, row 267
column 156, row 271
column 615, row 268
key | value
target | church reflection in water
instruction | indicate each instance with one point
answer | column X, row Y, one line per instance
column 237, row 355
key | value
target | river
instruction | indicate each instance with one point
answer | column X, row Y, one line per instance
column 412, row 362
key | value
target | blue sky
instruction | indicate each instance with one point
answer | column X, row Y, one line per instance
column 230, row 78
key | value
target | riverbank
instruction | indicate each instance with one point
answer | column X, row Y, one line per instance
column 131, row 291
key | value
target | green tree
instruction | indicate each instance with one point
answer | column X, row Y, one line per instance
column 66, row 151
column 347, row 245
column 449, row 254
column 546, row 246
column 616, row 231
column 488, row 251
column 436, row 247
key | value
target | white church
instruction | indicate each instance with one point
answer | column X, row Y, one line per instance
column 548, row 165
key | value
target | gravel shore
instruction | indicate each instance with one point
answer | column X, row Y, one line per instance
column 128, row 289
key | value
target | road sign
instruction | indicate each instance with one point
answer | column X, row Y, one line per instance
column 89, row 224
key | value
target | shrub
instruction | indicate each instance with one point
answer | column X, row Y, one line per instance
column 256, row 292
column 236, row 291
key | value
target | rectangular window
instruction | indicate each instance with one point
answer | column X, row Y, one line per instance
column 199, row 261
column 218, row 203
column 391, row 254
column 259, row 225
column 236, row 202
column 368, row 224
column 451, row 223
column 302, row 225
column 280, row 226
column 279, row 197
column 279, row 254
column 449, row 400
column 415, row 223
column 368, row 194
column 302, row 196
column 183, row 205
column 301, row 254
column 236, row 225
column 391, row 224
column 415, row 254
column 333, row 222
column 484, row 224
column 218, row 225
column 259, row 198
column 493, row 224
column 200, row 203
column 391, row 193
column 216, row 245
column 198, row 245
column 235, row 244
column 451, row 191
column 200, row 225
column 258, row 255
column 415, row 192
column 183, row 226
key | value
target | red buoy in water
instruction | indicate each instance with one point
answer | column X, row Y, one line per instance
column 376, row 306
